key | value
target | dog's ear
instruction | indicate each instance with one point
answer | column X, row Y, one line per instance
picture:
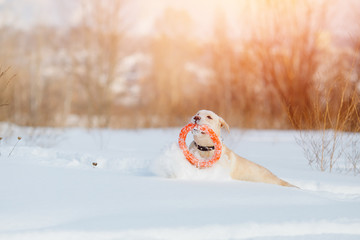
column 224, row 124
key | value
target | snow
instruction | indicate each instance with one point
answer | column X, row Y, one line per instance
column 143, row 188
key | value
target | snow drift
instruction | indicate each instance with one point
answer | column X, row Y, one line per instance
column 141, row 188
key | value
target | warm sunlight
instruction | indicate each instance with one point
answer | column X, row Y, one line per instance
column 179, row 119
column 202, row 12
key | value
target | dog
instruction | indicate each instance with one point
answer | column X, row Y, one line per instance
column 240, row 168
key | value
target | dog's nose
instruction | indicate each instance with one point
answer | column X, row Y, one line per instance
column 197, row 118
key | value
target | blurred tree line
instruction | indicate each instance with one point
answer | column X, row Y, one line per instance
column 286, row 70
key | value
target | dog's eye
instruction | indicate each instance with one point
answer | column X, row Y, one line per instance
column 209, row 117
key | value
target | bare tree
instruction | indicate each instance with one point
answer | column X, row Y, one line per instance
column 168, row 87
column 284, row 42
column 96, row 58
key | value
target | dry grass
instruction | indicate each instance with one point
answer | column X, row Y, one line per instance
column 6, row 92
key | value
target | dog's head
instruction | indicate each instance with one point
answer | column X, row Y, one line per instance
column 209, row 118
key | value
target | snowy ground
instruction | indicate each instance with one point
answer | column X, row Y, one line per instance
column 50, row 189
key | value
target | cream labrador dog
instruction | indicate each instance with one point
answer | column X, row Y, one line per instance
column 240, row 168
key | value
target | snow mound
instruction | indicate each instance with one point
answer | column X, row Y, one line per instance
column 173, row 164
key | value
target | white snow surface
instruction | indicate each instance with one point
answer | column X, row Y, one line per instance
column 143, row 188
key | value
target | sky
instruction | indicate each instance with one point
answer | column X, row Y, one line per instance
column 27, row 12
column 142, row 13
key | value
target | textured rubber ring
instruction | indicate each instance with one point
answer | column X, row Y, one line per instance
column 190, row 157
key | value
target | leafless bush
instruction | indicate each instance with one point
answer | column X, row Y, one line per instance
column 330, row 150
column 335, row 146
column 351, row 154
column 321, row 149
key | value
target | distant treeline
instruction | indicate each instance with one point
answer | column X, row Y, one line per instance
column 286, row 70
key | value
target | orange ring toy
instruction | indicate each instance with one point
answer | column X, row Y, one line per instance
column 190, row 157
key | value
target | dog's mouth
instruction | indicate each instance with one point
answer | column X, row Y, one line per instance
column 196, row 131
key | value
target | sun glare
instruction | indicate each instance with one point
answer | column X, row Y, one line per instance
column 202, row 12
